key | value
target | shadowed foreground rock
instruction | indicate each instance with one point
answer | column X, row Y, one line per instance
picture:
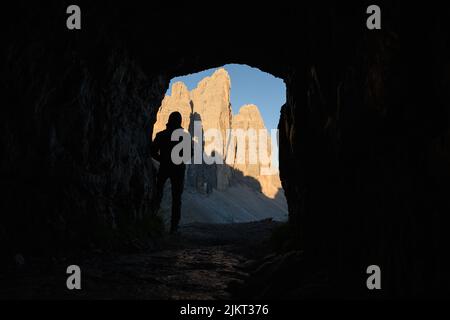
column 198, row 263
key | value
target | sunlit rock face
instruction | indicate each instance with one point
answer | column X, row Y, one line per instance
column 249, row 120
column 211, row 100
column 179, row 100
column 209, row 105
column 257, row 145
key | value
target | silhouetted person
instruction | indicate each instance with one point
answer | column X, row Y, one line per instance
column 161, row 150
column 211, row 175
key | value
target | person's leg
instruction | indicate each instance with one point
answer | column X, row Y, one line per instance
column 161, row 179
column 177, row 181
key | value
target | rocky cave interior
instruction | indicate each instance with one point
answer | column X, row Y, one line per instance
column 364, row 134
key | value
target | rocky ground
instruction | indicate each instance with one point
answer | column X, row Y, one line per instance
column 202, row 261
column 238, row 203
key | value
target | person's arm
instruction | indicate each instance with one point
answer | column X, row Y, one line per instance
column 155, row 148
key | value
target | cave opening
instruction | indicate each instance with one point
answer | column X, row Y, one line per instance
column 237, row 178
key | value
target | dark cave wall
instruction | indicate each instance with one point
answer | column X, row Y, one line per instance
column 364, row 147
column 75, row 167
column 363, row 126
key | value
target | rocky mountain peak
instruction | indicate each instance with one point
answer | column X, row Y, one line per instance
column 180, row 90
column 210, row 103
column 248, row 117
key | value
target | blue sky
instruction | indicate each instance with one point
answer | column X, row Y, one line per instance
column 248, row 86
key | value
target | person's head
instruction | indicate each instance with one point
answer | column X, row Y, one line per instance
column 174, row 121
